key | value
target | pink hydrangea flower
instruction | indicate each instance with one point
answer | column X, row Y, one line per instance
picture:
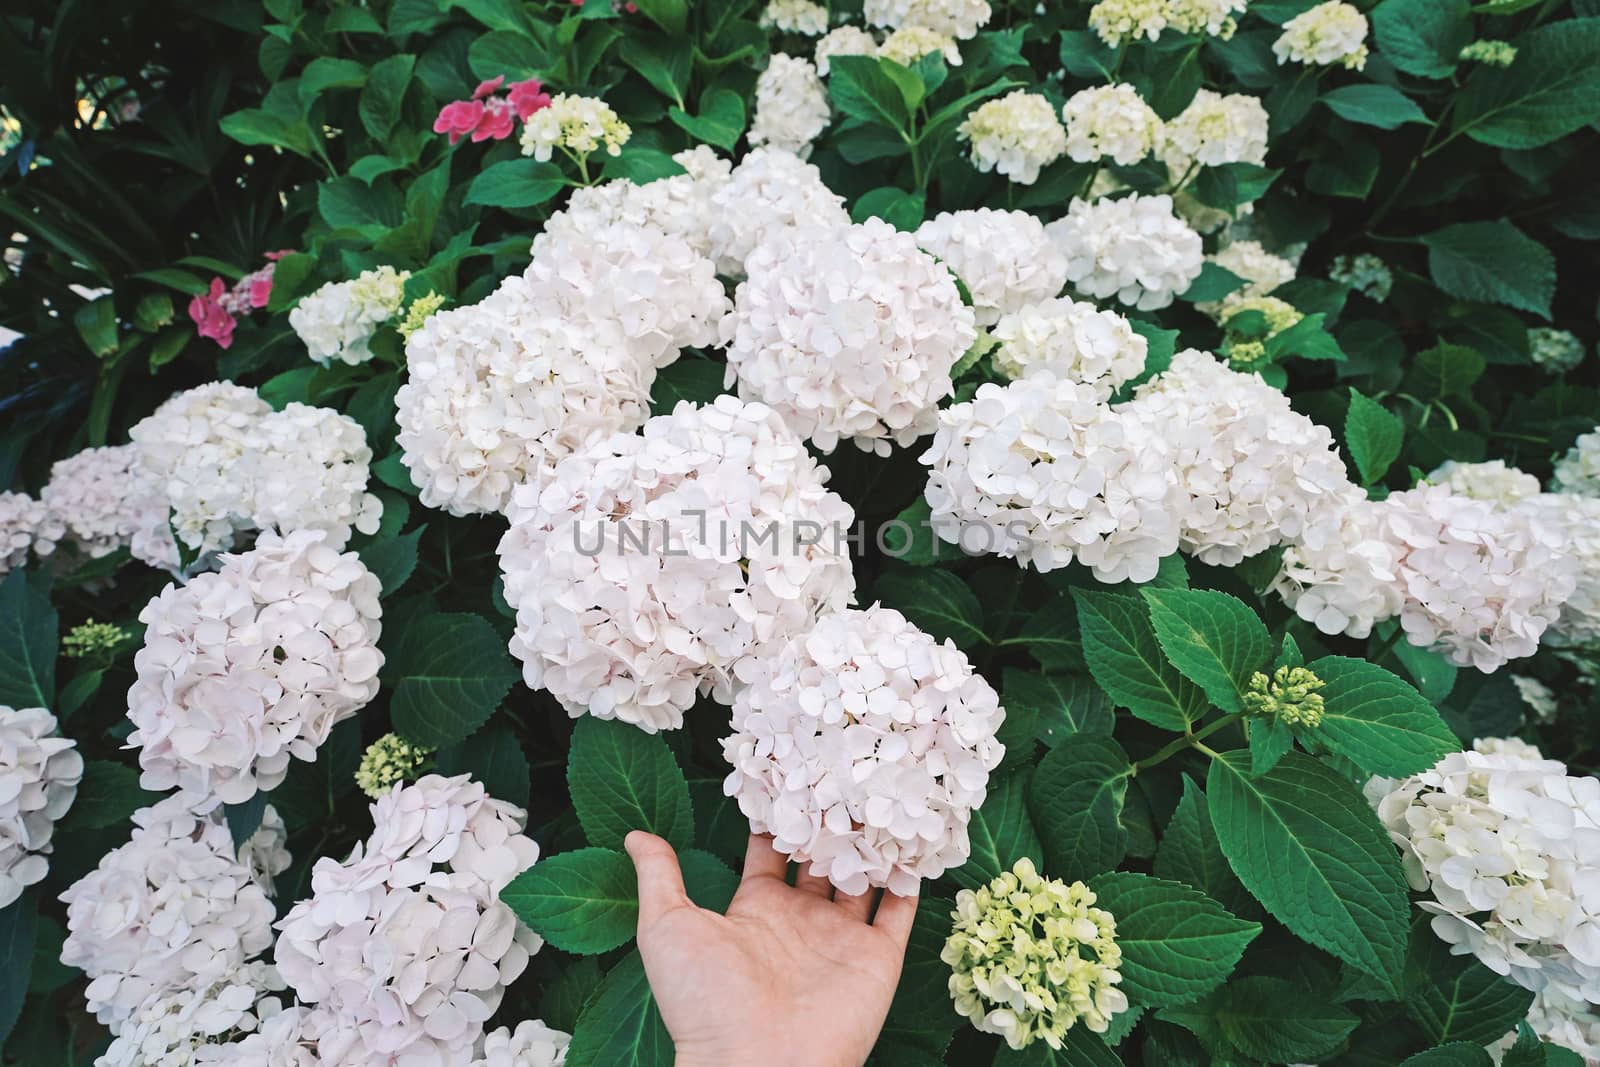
column 488, row 88
column 258, row 286
column 459, row 118
column 211, row 318
column 528, row 96
column 497, row 123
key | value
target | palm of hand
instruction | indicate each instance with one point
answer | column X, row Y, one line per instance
column 788, row 976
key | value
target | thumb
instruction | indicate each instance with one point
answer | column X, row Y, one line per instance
column 660, row 881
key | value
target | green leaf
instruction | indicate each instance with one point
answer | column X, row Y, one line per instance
column 393, row 559
column 1189, row 853
column 922, row 999
column 515, row 183
column 1125, row 657
column 349, row 203
column 1444, row 371
column 698, row 381
column 1494, row 263
column 901, row 209
column 18, row 928
column 720, row 122
column 1213, row 638
column 258, row 126
column 1076, row 799
column 861, row 87
column 1080, row 1048
column 1214, row 282
column 509, row 52
column 1270, row 740
column 383, row 94
column 452, row 672
column 1057, row 705
column 937, row 601
column 642, row 165
column 493, row 757
column 583, row 902
column 709, row 882
column 1422, row 37
column 668, row 14
column 1304, row 841
column 75, row 694
column 1373, row 435
column 662, row 62
column 1001, row 832
column 1455, row 998
column 623, row 779
column 909, row 537
column 1177, row 943
column 108, row 794
column 1456, row 1054
column 1370, row 104
column 620, row 1022
column 1306, row 339
column 1271, row 1019
column 96, row 323
column 27, row 643
column 1377, row 721
column 1550, row 90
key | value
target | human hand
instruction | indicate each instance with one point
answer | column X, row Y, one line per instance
column 791, row 976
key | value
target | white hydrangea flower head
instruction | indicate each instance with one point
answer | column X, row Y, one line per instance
column 286, row 1037
column 791, row 105
column 843, row 41
column 253, row 665
column 1135, row 249
column 1568, row 1021
column 1004, row 257
column 863, row 747
column 1031, row 957
column 1071, row 340
column 1110, row 122
column 679, row 205
column 1017, row 135
column 1507, row 746
column 191, row 444
column 1043, row 472
column 26, row 524
column 1493, row 481
column 1341, row 574
column 1539, row 698
column 1579, row 470
column 103, row 497
column 405, row 948
column 960, row 19
column 1214, row 130
column 658, row 566
column 1262, row 272
column 1577, row 519
column 1509, row 847
column 795, row 16
column 337, row 321
column 174, row 908
column 531, row 1044
column 39, row 775
column 1116, row 21
column 1332, row 32
column 1254, row 468
column 849, row 334
column 910, row 43
column 770, row 192
column 307, row 469
column 578, row 125
column 172, row 1027
column 500, row 390
column 1364, row 273
column 1556, row 351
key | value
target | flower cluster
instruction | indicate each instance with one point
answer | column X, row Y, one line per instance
column 1004, row 258
column 1577, row 519
column 791, row 105
column 843, row 41
column 1579, row 470
column 1289, row 695
column 1110, row 122
column 1489, row 52
column 338, row 320
column 488, row 115
column 1254, row 468
column 1135, row 248
column 1261, row 270
column 389, row 759
column 1509, row 847
column 850, row 333
column 1032, row 957
column 215, row 313
column 26, row 525
column 796, row 16
column 654, row 567
column 39, row 774
column 1492, row 481
column 960, row 19
column 92, row 640
column 531, row 1044
column 1017, row 135
column 167, row 926
column 910, row 43
column 1072, row 340
column 1365, row 273
column 1042, row 471
column 1119, row 20
column 1214, row 130
column 863, row 747
column 252, row 665
column 404, row 950
column 770, row 193
column 104, row 498
column 1557, row 351
column 679, row 206
column 578, row 125
column 1332, row 32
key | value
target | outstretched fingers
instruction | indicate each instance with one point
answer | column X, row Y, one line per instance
column 858, row 907
column 895, row 916
column 761, row 860
column 660, row 880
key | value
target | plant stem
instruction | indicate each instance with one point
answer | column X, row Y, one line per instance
column 1190, row 739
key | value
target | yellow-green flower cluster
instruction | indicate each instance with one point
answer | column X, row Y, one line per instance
column 1280, row 314
column 92, row 639
column 418, row 313
column 389, row 759
column 1032, row 956
column 1290, row 694
column 1490, row 53
column 575, row 124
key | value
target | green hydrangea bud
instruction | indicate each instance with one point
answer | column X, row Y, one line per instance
column 1032, row 956
column 418, row 312
column 92, row 639
column 1290, row 694
column 389, row 759
column 1490, row 53
column 1243, row 355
